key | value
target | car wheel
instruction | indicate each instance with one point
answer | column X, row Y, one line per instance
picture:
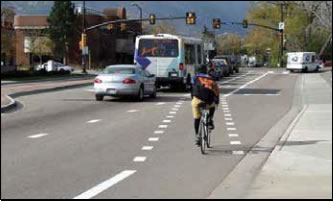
column 153, row 95
column 140, row 96
column 305, row 70
column 99, row 97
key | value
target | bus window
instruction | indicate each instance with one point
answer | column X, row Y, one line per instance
column 199, row 54
column 158, row 48
column 189, row 54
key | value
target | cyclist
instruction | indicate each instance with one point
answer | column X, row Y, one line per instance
column 205, row 90
column 212, row 71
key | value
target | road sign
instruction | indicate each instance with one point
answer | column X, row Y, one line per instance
column 281, row 26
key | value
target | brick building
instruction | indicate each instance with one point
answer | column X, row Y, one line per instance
column 106, row 47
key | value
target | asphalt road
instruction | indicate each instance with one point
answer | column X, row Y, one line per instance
column 67, row 145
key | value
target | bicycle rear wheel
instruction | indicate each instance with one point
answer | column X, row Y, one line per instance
column 208, row 137
column 202, row 135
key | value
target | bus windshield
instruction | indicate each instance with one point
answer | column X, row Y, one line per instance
column 158, row 48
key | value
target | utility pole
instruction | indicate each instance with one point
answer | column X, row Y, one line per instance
column 140, row 9
column 282, row 36
column 84, row 30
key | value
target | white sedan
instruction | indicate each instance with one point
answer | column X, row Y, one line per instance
column 125, row 80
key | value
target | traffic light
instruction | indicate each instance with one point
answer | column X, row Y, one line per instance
column 152, row 19
column 216, row 23
column 84, row 40
column 245, row 24
column 190, row 18
column 122, row 26
column 110, row 27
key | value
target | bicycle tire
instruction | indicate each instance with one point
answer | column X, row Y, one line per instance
column 208, row 137
column 202, row 137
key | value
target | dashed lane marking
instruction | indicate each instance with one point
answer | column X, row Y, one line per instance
column 158, row 132
column 233, row 135
column 231, row 129
column 94, row 121
column 230, row 123
column 238, row 152
column 166, row 121
column 147, row 148
column 38, row 135
column 139, row 159
column 163, row 126
column 153, row 139
column 132, row 111
column 235, row 142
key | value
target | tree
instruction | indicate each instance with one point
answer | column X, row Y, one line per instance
column 162, row 28
column 7, row 34
column 62, row 21
column 229, row 44
column 37, row 43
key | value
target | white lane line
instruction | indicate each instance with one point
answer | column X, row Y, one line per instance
column 132, row 111
column 170, row 117
column 158, row 132
column 230, row 123
column 227, row 115
column 225, row 105
column 166, row 121
column 175, row 109
column 236, row 78
column 235, row 142
column 231, row 129
column 147, row 148
column 238, row 152
column 228, row 119
column 247, row 84
column 105, row 185
column 160, row 103
column 139, row 159
column 177, row 106
column 94, row 121
column 172, row 112
column 153, row 139
column 233, row 135
column 179, row 103
column 38, row 135
column 163, row 126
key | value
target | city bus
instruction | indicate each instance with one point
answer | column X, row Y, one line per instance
column 172, row 59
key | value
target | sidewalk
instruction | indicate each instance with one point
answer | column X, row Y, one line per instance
column 16, row 89
column 301, row 164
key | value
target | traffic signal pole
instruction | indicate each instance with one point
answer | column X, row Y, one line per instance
column 84, row 32
column 281, row 37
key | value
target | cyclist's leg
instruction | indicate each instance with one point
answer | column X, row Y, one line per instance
column 197, row 116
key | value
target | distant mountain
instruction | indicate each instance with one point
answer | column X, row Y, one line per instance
column 205, row 11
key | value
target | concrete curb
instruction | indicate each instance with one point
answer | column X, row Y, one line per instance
column 237, row 183
column 9, row 106
column 12, row 96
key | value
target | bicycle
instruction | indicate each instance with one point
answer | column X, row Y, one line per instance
column 204, row 131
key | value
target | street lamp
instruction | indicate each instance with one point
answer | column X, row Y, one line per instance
column 137, row 5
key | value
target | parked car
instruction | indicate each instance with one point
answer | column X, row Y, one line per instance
column 223, row 66
column 54, row 66
column 124, row 81
column 231, row 62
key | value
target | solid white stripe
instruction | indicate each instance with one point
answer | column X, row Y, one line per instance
column 105, row 185
column 159, row 132
column 163, row 126
column 230, row 123
column 228, row 119
column 231, row 129
column 170, row 117
column 166, row 121
column 131, row 111
column 227, row 115
column 245, row 85
column 235, row 142
column 233, row 135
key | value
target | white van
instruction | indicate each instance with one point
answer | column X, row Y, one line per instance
column 303, row 61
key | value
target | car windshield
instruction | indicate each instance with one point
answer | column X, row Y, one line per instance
column 158, row 48
column 119, row 70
